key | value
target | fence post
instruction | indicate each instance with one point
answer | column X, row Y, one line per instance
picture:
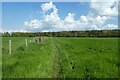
column 38, row 39
column 26, row 42
column 41, row 38
column 30, row 41
column 10, row 47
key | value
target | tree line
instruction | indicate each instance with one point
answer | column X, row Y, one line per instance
column 87, row 33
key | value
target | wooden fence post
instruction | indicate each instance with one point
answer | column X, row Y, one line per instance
column 10, row 47
column 30, row 41
column 38, row 40
column 26, row 42
column 41, row 38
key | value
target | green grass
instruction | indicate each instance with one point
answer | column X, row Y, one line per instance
column 88, row 57
column 0, row 57
column 36, row 60
column 61, row 58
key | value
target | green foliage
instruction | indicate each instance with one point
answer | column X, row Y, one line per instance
column 89, row 33
column 6, row 34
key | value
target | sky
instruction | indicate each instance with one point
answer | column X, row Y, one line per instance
column 0, row 17
column 59, row 16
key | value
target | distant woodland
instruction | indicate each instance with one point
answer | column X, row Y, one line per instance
column 88, row 33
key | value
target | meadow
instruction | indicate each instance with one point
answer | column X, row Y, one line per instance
column 60, row 58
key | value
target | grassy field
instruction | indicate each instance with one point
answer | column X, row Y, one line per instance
column 61, row 58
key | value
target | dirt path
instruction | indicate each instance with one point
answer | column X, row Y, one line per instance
column 57, row 67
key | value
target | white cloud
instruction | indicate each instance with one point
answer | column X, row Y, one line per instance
column 33, row 24
column 1, row 31
column 105, row 8
column 84, row 19
column 13, row 30
column 70, row 18
column 99, row 19
column 94, row 20
column 94, row 27
column 110, row 26
column 47, row 6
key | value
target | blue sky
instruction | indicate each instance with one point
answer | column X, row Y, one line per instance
column 0, row 15
column 15, row 14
